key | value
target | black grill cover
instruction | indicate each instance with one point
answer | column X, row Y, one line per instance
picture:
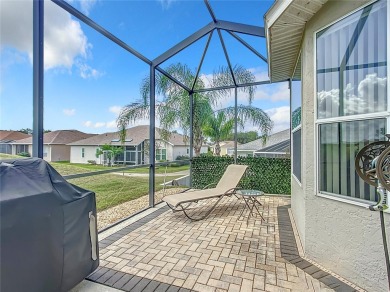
column 46, row 229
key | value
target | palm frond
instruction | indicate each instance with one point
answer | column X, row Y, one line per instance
column 131, row 113
column 256, row 116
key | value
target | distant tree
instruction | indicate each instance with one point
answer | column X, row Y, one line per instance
column 218, row 127
column 30, row 131
column 174, row 108
column 26, row 131
column 111, row 151
column 296, row 117
column 244, row 137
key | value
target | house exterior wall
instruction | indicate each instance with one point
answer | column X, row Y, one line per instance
column 244, row 153
column 15, row 148
column 298, row 206
column 59, row 153
column 182, row 150
column 341, row 236
column 224, row 151
column 5, row 148
column 170, row 152
column 89, row 154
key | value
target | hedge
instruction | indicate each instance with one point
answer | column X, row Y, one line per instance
column 270, row 175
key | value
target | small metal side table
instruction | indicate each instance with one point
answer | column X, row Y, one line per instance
column 250, row 198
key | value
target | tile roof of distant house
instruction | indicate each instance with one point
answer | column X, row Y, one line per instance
column 59, row 137
column 134, row 136
column 271, row 140
column 7, row 136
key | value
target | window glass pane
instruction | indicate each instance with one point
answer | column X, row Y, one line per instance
column 297, row 154
column 296, row 103
column 339, row 143
column 352, row 65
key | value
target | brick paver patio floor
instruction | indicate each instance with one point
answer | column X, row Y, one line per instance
column 219, row 253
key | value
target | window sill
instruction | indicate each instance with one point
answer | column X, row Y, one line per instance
column 347, row 200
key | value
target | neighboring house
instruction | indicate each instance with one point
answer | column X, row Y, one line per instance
column 136, row 147
column 225, row 145
column 55, row 146
column 277, row 145
column 7, row 137
column 337, row 53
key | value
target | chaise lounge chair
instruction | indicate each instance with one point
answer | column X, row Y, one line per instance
column 226, row 186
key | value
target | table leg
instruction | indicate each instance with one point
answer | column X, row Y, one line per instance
column 254, row 204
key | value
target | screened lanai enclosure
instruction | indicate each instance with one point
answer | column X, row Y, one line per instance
column 213, row 67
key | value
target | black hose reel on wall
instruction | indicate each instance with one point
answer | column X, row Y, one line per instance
column 372, row 164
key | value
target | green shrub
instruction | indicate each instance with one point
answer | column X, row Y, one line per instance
column 182, row 157
column 24, row 154
column 174, row 164
column 270, row 175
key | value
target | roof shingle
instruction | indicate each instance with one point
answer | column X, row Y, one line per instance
column 12, row 135
column 271, row 140
column 59, row 137
column 134, row 136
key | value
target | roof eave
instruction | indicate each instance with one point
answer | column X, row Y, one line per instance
column 279, row 16
column 272, row 15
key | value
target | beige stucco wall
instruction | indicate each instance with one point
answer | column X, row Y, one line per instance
column 46, row 152
column 89, row 154
column 59, row 153
column 298, row 207
column 343, row 237
column 179, row 151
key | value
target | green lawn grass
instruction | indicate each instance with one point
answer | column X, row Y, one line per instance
column 9, row 156
column 66, row 168
column 112, row 190
column 160, row 169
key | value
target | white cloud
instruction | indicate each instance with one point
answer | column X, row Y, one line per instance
column 370, row 96
column 88, row 124
column 259, row 73
column 115, row 109
column 88, row 72
column 273, row 92
column 99, row 125
column 86, row 5
column 69, row 112
column 64, row 40
column 281, row 118
column 111, row 124
column 166, row 3
column 96, row 125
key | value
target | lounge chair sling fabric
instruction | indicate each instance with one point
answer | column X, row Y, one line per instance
column 226, row 186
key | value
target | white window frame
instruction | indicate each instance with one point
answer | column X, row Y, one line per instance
column 161, row 154
column 292, row 154
column 318, row 122
column 299, row 182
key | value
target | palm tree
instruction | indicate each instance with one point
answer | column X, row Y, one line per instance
column 174, row 108
column 218, row 128
column 111, row 151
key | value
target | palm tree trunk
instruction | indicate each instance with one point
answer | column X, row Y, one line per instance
column 217, row 149
column 198, row 142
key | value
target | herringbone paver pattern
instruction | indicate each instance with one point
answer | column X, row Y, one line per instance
column 220, row 253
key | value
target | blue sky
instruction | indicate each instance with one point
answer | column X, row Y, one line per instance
column 88, row 78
